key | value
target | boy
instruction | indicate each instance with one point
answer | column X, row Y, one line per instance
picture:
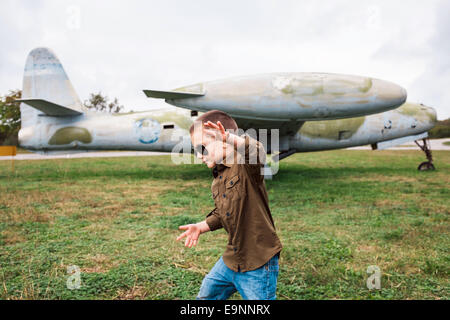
column 250, row 262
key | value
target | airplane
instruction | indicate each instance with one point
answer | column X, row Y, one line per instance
column 312, row 111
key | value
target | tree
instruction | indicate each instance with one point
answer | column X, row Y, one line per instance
column 10, row 118
column 101, row 103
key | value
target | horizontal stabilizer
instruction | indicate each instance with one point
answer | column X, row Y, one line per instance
column 399, row 141
column 50, row 108
column 171, row 95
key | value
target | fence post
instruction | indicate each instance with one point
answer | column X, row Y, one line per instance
column 9, row 151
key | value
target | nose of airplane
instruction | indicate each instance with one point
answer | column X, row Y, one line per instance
column 431, row 114
column 390, row 92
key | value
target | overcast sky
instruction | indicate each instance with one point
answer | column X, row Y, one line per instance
column 122, row 47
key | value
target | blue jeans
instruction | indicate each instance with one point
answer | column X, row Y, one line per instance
column 221, row 282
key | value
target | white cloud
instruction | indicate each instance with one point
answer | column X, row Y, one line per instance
column 120, row 47
column 432, row 85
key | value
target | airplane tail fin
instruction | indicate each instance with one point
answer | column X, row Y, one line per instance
column 46, row 81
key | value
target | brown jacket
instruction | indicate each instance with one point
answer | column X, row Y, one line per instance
column 242, row 209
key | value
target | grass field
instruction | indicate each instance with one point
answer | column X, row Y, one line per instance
column 116, row 218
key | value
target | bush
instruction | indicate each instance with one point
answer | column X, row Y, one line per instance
column 441, row 130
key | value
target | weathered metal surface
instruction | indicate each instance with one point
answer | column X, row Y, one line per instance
column 91, row 131
column 293, row 96
column 408, row 119
column 162, row 130
column 44, row 78
column 50, row 108
column 126, row 132
column 395, row 142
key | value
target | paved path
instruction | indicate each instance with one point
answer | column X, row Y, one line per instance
column 436, row 144
column 90, row 154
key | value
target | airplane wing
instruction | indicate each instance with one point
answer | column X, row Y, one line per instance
column 395, row 142
column 50, row 108
column 285, row 127
column 171, row 94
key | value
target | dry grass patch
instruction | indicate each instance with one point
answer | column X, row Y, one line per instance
column 383, row 178
column 135, row 293
column 367, row 248
column 12, row 237
column 391, row 203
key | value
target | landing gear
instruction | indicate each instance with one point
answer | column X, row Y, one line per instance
column 424, row 166
column 427, row 165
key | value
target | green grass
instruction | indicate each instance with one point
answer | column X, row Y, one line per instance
column 116, row 218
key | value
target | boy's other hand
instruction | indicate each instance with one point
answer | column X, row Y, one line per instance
column 192, row 233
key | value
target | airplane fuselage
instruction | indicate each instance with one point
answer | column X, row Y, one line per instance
column 311, row 111
column 162, row 130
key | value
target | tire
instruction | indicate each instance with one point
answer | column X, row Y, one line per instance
column 425, row 166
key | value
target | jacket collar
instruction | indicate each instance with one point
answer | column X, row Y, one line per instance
column 218, row 168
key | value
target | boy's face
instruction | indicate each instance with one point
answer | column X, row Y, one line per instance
column 208, row 146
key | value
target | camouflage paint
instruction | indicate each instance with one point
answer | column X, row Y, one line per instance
column 68, row 135
column 330, row 129
column 407, row 120
column 94, row 131
column 110, row 132
column 419, row 111
column 259, row 102
column 294, row 96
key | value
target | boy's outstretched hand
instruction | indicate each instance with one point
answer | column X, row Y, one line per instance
column 219, row 127
column 227, row 138
column 192, row 233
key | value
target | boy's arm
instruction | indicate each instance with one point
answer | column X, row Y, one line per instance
column 213, row 220
column 249, row 150
column 254, row 151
